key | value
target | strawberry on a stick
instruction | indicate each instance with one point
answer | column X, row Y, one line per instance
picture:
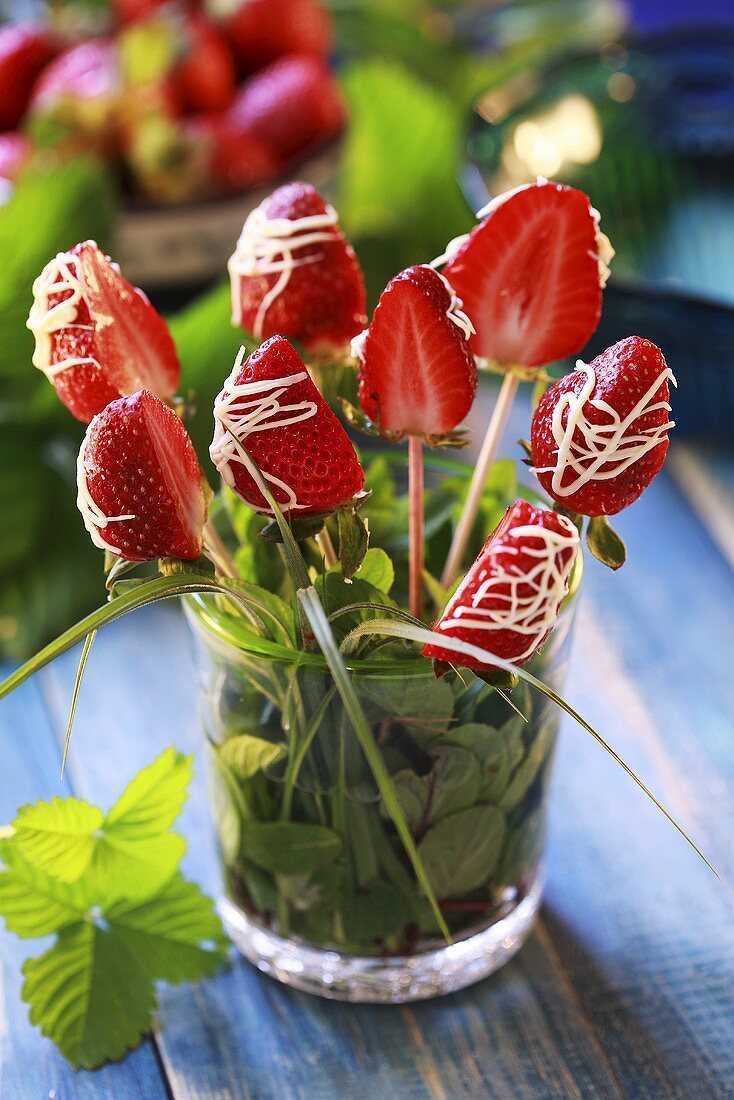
column 273, row 425
column 417, row 378
column 97, row 337
column 509, row 600
column 600, row 434
column 531, row 276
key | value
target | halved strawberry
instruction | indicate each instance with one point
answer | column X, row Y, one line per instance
column 292, row 105
column 140, row 489
column 531, row 275
column 417, row 375
column 270, row 411
column 98, row 337
column 204, row 79
column 24, row 53
column 294, row 272
column 600, row 434
column 509, row 600
column 261, row 31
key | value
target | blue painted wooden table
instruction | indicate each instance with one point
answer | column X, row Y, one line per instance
column 626, row 987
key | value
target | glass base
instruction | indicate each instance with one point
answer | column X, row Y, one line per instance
column 383, row 980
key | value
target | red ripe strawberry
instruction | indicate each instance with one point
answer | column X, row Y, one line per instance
column 131, row 11
column 81, row 88
column 294, row 273
column 509, row 600
column 600, row 435
column 204, row 79
column 235, row 158
column 270, row 411
column 98, row 337
column 531, row 275
column 140, row 487
column 417, row 374
column 24, row 52
column 261, row 31
column 292, row 105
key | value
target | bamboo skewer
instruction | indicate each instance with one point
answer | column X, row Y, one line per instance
column 415, row 525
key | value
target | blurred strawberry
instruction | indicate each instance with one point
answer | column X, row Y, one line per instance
column 15, row 149
column 231, row 157
column 291, row 105
column 24, row 53
column 97, row 337
column 261, row 31
column 132, row 11
column 81, row 89
column 140, row 488
column 204, row 78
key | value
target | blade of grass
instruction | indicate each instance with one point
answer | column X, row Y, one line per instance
column 322, row 632
column 425, row 636
column 88, row 643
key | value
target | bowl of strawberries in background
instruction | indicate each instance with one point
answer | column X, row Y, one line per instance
column 383, row 631
column 195, row 108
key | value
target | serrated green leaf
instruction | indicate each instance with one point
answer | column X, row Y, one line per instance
column 58, row 837
column 31, row 902
column 499, row 752
column 246, row 755
column 461, row 852
column 604, row 542
column 287, row 848
column 152, row 801
column 93, row 992
column 452, row 784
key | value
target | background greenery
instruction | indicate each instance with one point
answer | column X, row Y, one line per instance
column 411, row 70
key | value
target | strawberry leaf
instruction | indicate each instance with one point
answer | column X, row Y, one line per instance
column 58, row 837
column 604, row 542
column 32, row 903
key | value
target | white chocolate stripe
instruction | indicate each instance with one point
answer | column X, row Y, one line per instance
column 59, row 275
column 252, row 407
column 602, row 445
column 266, row 247
column 93, row 516
column 455, row 312
column 534, row 613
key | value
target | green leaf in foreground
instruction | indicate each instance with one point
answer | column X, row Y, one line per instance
column 93, row 992
column 604, row 542
column 127, row 921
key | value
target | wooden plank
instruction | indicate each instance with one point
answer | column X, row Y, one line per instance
column 519, row 1035
column 29, row 1064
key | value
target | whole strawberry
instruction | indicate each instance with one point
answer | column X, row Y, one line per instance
column 600, row 434
column 232, row 158
column 81, row 88
column 294, row 273
column 293, row 105
column 271, row 418
column 417, row 374
column 97, row 337
column 531, row 275
column 204, row 77
column 261, row 31
column 24, row 53
column 140, row 489
column 509, row 600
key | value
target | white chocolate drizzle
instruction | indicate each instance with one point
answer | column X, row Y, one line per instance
column 58, row 276
column 455, row 312
column 605, row 251
column 93, row 516
column 605, row 450
column 529, row 600
column 266, row 247
column 246, row 409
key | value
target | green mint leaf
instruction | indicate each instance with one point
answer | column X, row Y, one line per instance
column 452, row 784
column 286, row 848
column 32, row 903
column 58, row 836
column 604, row 542
column 93, row 992
column 246, row 755
column 461, row 852
column 353, row 541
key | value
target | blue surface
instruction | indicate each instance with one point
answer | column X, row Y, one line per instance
column 626, row 987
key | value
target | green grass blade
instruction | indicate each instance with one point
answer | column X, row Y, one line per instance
column 322, row 632
column 88, row 643
column 425, row 636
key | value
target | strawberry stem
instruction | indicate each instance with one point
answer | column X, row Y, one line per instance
column 487, row 455
column 326, row 546
column 415, row 525
column 218, row 552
